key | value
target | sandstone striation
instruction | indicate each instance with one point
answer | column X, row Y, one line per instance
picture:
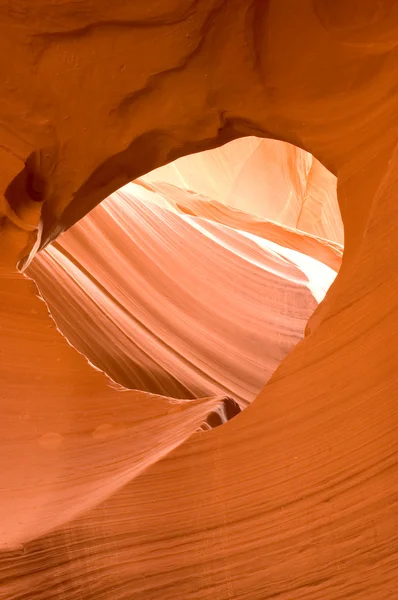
column 173, row 293
column 107, row 493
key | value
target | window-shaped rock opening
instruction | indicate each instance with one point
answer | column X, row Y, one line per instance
column 199, row 278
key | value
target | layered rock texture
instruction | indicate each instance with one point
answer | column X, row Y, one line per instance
column 109, row 492
column 172, row 292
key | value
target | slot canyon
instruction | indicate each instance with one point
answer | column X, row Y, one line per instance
column 198, row 314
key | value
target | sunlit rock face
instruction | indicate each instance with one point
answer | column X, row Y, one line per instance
column 168, row 291
column 114, row 493
column 266, row 178
column 171, row 292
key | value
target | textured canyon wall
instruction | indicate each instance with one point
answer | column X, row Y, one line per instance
column 296, row 497
column 266, row 178
column 218, row 317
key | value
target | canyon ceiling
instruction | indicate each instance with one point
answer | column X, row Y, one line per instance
column 190, row 293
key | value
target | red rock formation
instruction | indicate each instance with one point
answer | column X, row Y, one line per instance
column 269, row 179
column 297, row 496
column 182, row 305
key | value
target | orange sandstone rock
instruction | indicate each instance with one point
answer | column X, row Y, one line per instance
column 183, row 305
column 296, row 497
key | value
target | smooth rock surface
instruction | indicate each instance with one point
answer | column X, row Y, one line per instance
column 175, row 294
column 294, row 498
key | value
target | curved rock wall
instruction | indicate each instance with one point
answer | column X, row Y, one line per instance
column 296, row 497
column 172, row 292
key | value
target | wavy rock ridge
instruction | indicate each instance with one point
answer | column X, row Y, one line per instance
column 191, row 298
column 296, row 497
